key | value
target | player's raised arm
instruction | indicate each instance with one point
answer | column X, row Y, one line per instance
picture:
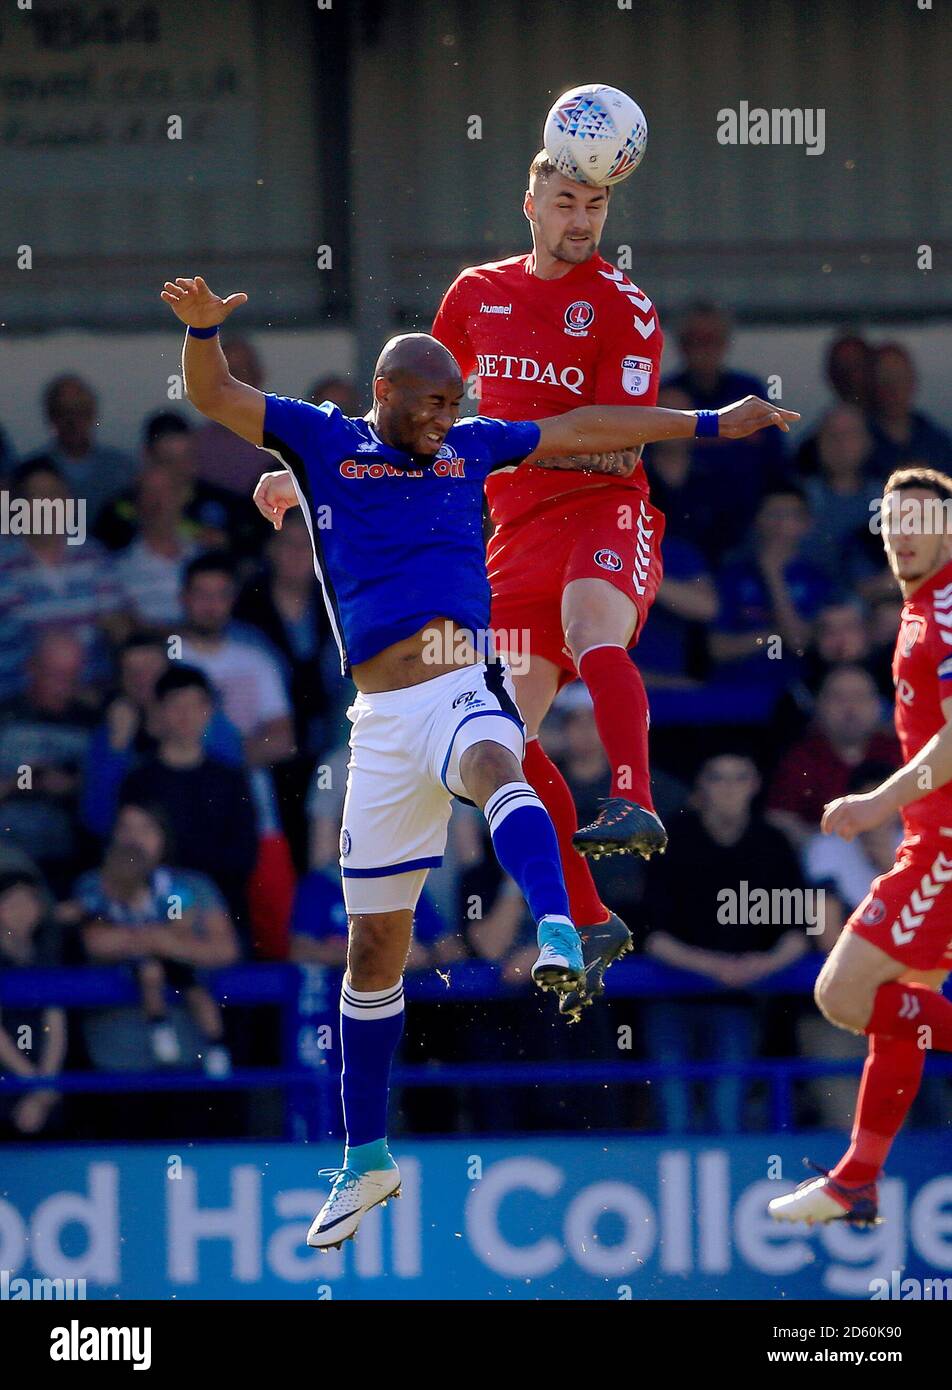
column 595, row 429
column 208, row 383
column 924, row 773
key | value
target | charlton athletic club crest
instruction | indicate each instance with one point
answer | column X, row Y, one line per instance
column 874, row 913
column 910, row 634
column 579, row 318
column 608, row 560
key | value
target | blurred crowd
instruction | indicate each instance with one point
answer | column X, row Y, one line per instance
column 173, row 762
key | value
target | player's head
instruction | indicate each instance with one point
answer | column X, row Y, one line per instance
column 916, row 520
column 567, row 218
column 418, row 388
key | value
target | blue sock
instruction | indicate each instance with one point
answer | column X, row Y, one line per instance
column 527, row 848
column 371, row 1022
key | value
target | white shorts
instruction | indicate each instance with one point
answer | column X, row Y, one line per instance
column 405, row 751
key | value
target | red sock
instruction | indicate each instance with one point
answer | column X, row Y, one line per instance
column 905, row 1011
column 552, row 790
column 621, row 715
column 890, row 1082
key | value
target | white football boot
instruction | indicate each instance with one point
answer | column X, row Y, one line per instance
column 349, row 1200
column 815, row 1203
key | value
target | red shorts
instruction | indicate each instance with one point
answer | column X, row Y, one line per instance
column 908, row 911
column 615, row 537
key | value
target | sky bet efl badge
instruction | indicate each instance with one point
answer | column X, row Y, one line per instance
column 636, row 375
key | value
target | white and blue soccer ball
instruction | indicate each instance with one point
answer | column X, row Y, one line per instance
column 595, row 134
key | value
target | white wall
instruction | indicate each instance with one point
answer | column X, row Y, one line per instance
column 129, row 370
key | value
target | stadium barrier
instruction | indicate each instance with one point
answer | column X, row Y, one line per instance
column 310, row 1064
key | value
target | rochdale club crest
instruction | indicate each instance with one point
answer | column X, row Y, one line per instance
column 579, row 318
column 608, row 560
column 874, row 913
column 344, row 843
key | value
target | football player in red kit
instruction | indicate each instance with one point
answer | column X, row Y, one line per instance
column 884, row 975
column 575, row 558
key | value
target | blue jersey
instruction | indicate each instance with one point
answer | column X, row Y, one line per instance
column 395, row 544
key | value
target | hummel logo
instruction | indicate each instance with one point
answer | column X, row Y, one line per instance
column 910, row 1006
column 495, row 308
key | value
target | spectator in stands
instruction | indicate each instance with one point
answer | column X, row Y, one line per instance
column 901, row 433
column 211, row 517
column 669, row 647
column 284, row 603
column 843, row 871
column 8, row 455
column 44, row 736
column 846, row 731
column 325, row 805
column 247, row 677
column 744, row 468
column 841, row 493
column 124, row 737
column 339, row 390
column 773, row 593
column 150, row 570
column 687, row 493
column 46, row 581
column 93, row 471
column 842, row 636
column 849, row 370
column 32, row 1038
column 136, row 910
column 319, row 927
column 222, row 458
column 206, row 802
column 717, row 848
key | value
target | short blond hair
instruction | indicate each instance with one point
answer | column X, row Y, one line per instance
column 542, row 168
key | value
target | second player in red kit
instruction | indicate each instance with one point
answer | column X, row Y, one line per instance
column 885, row 972
column 575, row 558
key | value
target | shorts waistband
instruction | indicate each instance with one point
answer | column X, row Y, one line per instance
column 409, row 696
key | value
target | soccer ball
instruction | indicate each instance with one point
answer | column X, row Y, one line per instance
column 595, row 134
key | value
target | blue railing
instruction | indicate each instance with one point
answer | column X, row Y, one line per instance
column 308, row 998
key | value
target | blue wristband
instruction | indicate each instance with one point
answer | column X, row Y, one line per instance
column 708, row 424
column 203, row 332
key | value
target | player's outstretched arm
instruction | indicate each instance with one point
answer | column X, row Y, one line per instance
column 927, row 771
column 599, row 429
column 618, row 464
column 208, row 383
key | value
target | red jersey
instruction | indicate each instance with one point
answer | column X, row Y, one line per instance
column 542, row 347
column 922, row 674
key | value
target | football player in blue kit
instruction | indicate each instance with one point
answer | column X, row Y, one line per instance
column 393, row 503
